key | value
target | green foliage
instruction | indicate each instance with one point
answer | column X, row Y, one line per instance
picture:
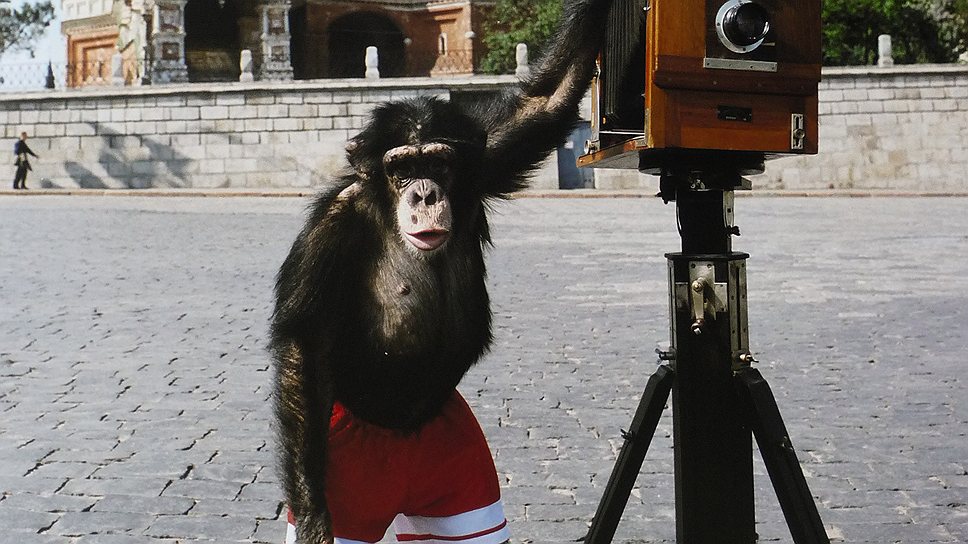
column 921, row 31
column 19, row 28
column 917, row 28
column 955, row 21
column 511, row 22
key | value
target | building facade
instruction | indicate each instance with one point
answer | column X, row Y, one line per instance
column 96, row 31
column 136, row 42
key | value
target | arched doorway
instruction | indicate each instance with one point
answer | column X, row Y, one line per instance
column 212, row 40
column 350, row 35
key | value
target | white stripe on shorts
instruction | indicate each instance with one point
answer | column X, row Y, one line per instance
column 486, row 525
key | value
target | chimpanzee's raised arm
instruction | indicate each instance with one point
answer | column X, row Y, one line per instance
column 526, row 125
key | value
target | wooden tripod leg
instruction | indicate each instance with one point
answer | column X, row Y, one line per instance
column 780, row 459
column 631, row 456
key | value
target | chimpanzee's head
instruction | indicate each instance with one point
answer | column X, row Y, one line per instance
column 424, row 156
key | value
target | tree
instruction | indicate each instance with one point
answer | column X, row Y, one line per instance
column 921, row 30
column 511, row 22
column 955, row 21
column 20, row 28
column 918, row 34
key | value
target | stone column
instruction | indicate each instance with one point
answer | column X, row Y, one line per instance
column 372, row 62
column 523, row 69
column 885, row 51
column 245, row 67
column 275, row 62
column 117, row 70
column 167, row 42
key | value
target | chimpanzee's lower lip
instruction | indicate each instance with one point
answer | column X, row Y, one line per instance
column 427, row 240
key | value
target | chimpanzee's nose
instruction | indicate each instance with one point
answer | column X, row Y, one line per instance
column 424, row 193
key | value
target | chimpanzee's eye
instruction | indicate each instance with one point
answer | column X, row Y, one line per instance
column 439, row 168
column 402, row 170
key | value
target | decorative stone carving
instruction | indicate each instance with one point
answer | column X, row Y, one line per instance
column 275, row 62
column 171, row 51
column 170, row 19
column 167, row 48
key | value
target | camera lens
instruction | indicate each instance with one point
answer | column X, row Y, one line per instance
column 746, row 23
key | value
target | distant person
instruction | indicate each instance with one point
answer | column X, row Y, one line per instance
column 21, row 150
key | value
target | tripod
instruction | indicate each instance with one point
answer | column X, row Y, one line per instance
column 717, row 396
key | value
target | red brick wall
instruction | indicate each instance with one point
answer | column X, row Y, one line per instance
column 423, row 28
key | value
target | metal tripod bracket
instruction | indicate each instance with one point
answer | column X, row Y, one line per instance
column 708, row 288
column 703, row 295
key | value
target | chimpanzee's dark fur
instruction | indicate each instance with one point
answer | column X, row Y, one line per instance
column 362, row 319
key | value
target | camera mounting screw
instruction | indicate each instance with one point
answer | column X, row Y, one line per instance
column 697, row 326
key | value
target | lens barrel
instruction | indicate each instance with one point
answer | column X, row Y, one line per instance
column 746, row 24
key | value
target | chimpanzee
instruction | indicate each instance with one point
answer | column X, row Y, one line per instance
column 381, row 308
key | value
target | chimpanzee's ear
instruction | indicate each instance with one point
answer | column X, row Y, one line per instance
column 385, row 129
column 353, row 155
column 362, row 158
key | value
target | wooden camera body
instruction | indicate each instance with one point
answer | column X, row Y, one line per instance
column 685, row 78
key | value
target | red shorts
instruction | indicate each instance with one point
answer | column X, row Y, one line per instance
column 437, row 485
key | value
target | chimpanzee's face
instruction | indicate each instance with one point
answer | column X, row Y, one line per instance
column 422, row 176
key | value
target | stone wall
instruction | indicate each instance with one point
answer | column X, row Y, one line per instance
column 902, row 128
column 206, row 135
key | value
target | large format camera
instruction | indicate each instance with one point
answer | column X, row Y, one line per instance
column 702, row 92
column 679, row 78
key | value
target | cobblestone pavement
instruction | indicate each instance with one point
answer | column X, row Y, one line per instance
column 134, row 381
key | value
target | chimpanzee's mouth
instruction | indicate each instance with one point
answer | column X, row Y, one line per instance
column 427, row 240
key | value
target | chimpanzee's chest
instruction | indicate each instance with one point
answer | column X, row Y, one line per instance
column 426, row 323
column 417, row 303
column 406, row 307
